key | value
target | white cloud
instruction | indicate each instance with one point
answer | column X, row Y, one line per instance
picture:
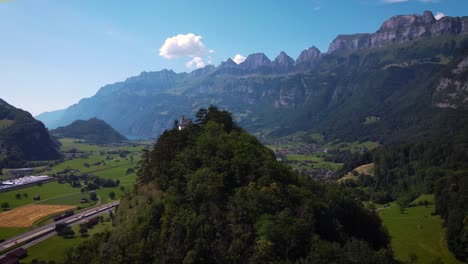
column 211, row 51
column 439, row 15
column 188, row 45
column 239, row 58
column 196, row 62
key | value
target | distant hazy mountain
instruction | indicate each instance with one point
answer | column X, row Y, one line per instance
column 24, row 138
column 409, row 79
column 93, row 130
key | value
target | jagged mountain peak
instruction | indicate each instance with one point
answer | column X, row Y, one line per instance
column 309, row 55
column 256, row 60
column 404, row 21
column 202, row 71
column 428, row 16
column 401, row 29
column 283, row 59
column 228, row 62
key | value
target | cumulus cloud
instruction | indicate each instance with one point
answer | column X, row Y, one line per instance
column 239, row 58
column 196, row 62
column 439, row 15
column 188, row 45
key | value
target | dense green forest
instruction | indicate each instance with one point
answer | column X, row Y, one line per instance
column 93, row 130
column 436, row 166
column 23, row 138
column 212, row 193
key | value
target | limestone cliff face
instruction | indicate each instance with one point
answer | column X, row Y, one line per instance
column 255, row 61
column 283, row 63
column 452, row 90
column 350, row 43
column 308, row 58
column 259, row 63
column 401, row 29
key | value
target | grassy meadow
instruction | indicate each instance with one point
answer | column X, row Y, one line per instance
column 50, row 191
column 417, row 232
column 42, row 251
column 101, row 161
column 7, row 232
column 309, row 161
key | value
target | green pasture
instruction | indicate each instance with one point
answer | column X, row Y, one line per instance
column 417, row 232
column 50, row 191
column 309, row 161
column 56, row 247
column 8, row 232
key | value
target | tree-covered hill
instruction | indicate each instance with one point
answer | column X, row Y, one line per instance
column 93, row 130
column 212, row 193
column 406, row 171
column 23, row 138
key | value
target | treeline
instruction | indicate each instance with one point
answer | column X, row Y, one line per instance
column 438, row 166
column 86, row 181
column 211, row 193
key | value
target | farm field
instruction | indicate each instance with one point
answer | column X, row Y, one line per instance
column 127, row 182
column 309, row 161
column 417, row 232
column 80, row 164
column 367, row 169
column 353, row 146
column 69, row 199
column 113, row 166
column 46, row 191
column 298, row 150
column 101, row 161
column 25, row 216
column 42, row 251
column 7, row 232
column 71, row 143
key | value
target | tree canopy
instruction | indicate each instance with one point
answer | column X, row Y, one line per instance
column 212, row 193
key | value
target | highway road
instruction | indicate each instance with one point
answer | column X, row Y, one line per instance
column 44, row 232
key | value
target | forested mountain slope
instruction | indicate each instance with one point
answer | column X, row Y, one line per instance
column 92, row 130
column 23, row 138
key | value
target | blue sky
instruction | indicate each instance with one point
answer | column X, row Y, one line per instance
column 54, row 53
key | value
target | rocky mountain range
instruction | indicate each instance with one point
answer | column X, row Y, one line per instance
column 409, row 75
column 401, row 29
